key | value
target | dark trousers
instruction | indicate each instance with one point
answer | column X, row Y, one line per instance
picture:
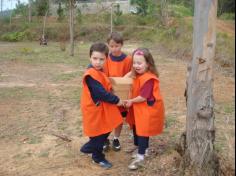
column 95, row 147
column 140, row 141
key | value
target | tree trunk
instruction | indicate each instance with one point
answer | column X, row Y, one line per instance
column 164, row 12
column 199, row 155
column 71, row 8
column 44, row 23
column 30, row 11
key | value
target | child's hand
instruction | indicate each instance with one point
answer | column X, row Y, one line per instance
column 120, row 103
column 127, row 103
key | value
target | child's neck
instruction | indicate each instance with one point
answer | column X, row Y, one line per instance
column 117, row 54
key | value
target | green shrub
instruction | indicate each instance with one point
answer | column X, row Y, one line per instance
column 13, row 36
column 5, row 20
column 228, row 16
column 180, row 11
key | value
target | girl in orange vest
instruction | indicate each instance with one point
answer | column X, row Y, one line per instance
column 98, row 106
column 117, row 64
column 147, row 107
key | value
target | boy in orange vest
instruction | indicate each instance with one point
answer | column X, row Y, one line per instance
column 117, row 64
column 147, row 107
column 98, row 106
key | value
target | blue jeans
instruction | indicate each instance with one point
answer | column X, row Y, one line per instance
column 95, row 147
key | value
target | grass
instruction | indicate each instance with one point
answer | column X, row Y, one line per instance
column 225, row 50
column 44, row 153
column 176, row 38
column 67, row 76
column 18, row 93
column 227, row 16
column 170, row 121
column 22, row 156
column 35, row 54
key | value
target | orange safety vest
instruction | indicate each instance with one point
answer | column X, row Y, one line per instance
column 149, row 120
column 117, row 69
column 99, row 119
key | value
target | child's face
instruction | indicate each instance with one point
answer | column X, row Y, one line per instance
column 97, row 60
column 139, row 64
column 115, row 48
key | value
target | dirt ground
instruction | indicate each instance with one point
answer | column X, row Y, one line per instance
column 40, row 100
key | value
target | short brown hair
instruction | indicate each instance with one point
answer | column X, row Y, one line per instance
column 117, row 37
column 99, row 47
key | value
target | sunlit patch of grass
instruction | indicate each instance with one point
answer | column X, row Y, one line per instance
column 47, row 54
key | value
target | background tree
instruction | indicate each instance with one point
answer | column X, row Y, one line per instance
column 60, row 12
column 30, row 10
column 21, row 9
column 226, row 6
column 71, row 25
column 142, row 6
column 164, row 12
column 42, row 6
column 118, row 13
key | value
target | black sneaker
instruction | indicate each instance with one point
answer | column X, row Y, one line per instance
column 104, row 164
column 106, row 145
column 116, row 145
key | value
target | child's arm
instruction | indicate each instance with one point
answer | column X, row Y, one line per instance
column 138, row 99
column 98, row 93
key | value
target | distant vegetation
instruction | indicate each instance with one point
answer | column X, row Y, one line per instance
column 166, row 23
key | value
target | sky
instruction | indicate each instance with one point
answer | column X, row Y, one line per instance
column 11, row 4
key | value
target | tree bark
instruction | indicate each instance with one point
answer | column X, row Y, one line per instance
column 71, row 22
column 164, row 12
column 30, row 11
column 199, row 154
column 44, row 22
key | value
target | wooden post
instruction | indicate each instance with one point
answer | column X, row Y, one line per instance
column 199, row 154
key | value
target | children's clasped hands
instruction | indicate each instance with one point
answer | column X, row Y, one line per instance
column 125, row 103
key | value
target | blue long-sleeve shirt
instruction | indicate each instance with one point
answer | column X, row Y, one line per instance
column 98, row 92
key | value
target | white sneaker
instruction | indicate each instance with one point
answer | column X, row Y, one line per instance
column 136, row 163
column 134, row 154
